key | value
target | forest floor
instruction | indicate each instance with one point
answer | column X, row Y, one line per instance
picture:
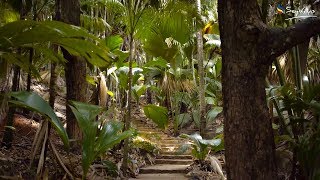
column 15, row 163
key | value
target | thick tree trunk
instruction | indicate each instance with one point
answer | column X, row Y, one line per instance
column 248, row 48
column 248, row 132
column 75, row 69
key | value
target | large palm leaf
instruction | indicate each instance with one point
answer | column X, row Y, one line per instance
column 31, row 34
column 167, row 31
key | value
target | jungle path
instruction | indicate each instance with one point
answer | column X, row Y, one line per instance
column 168, row 165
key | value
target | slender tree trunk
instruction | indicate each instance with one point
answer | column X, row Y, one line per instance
column 75, row 69
column 4, row 88
column 53, row 79
column 202, row 103
column 8, row 134
column 31, row 51
column 128, row 114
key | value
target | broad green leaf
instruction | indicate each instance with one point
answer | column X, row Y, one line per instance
column 210, row 100
column 212, row 114
column 158, row 62
column 196, row 117
column 88, row 111
column 200, row 147
column 96, row 140
column 182, row 119
column 89, row 128
column 34, row 102
column 75, row 39
column 183, row 148
column 121, row 57
column 157, row 114
column 138, row 90
column 109, row 136
column 114, row 42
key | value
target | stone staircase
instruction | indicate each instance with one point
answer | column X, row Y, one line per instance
column 168, row 165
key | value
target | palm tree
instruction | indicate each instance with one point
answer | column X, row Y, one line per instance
column 201, row 77
column 132, row 16
column 75, row 69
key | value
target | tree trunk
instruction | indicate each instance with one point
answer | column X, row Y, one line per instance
column 127, row 122
column 248, row 132
column 202, row 103
column 5, row 77
column 75, row 69
column 8, row 134
column 248, row 49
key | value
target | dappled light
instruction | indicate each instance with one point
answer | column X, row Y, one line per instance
column 160, row 89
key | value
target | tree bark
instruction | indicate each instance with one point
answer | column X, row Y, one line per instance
column 248, row 48
column 202, row 103
column 127, row 122
column 8, row 134
column 75, row 69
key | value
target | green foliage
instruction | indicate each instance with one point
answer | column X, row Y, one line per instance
column 138, row 91
column 111, row 168
column 7, row 14
column 200, row 148
column 167, row 31
column 157, row 114
column 308, row 153
column 181, row 120
column 297, row 107
column 122, row 76
column 34, row 102
column 96, row 139
column 212, row 114
column 95, row 24
column 114, row 42
column 32, row 34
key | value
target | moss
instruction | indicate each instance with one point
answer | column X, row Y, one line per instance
column 145, row 144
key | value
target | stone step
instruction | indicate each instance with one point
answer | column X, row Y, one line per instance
column 174, row 161
column 170, row 139
column 140, row 125
column 164, row 168
column 174, row 148
column 149, row 132
column 173, row 153
column 166, row 176
column 162, row 156
column 168, row 143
